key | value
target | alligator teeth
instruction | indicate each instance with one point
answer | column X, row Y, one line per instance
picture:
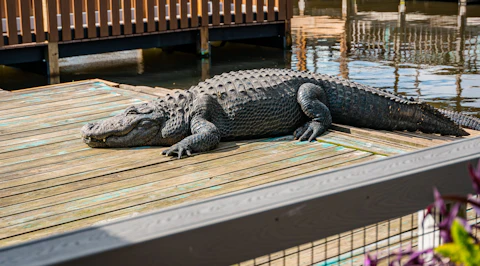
column 104, row 140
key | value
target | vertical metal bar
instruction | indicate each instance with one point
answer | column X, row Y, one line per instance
column 173, row 14
column 238, row 12
column 78, row 17
column 139, row 26
column 227, row 12
column 103, row 17
column 25, row 18
column 215, row 12
column 184, row 14
column 194, row 13
column 260, row 15
column 127, row 16
column 115, row 9
column 12, row 22
column 162, row 23
column 52, row 21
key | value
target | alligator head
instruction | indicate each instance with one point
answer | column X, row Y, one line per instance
column 138, row 125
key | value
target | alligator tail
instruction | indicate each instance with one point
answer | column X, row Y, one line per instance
column 462, row 119
column 434, row 120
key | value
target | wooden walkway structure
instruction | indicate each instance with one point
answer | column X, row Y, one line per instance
column 36, row 30
column 51, row 182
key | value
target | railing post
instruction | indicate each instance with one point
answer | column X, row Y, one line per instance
column 203, row 43
column 52, row 57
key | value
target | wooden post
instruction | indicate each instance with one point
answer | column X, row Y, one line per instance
column 203, row 44
column 287, row 43
column 349, row 8
column 51, row 56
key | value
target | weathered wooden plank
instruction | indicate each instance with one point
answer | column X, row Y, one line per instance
column 68, row 184
column 170, row 187
column 127, row 17
column 249, row 11
column 115, row 9
column 40, row 101
column 103, row 16
column 52, row 21
column 169, row 169
column 150, row 15
column 387, row 135
column 51, row 89
column 369, row 139
column 162, row 14
column 65, row 20
column 78, row 18
column 42, row 165
column 220, row 185
column 150, row 182
column 194, row 13
column 260, row 13
column 139, row 25
column 282, row 12
column 172, row 6
column 21, row 126
column 44, row 139
column 12, row 22
column 215, row 12
column 271, row 10
column 238, row 12
column 91, row 25
column 183, row 14
column 227, row 12
column 293, row 204
column 373, row 147
column 205, row 18
column 289, row 9
column 25, row 10
column 59, row 106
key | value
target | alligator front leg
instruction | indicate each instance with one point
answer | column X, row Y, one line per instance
column 205, row 136
column 312, row 99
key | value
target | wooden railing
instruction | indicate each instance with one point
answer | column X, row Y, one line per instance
column 37, row 21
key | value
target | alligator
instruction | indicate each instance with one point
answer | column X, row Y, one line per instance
column 266, row 102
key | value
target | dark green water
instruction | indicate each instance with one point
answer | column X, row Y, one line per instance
column 433, row 55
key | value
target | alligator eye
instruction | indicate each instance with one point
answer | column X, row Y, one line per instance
column 131, row 112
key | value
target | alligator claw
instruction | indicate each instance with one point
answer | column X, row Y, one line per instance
column 179, row 150
column 310, row 131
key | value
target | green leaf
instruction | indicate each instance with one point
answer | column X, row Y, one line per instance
column 451, row 251
column 463, row 249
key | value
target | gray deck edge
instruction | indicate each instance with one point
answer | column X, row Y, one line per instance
column 244, row 225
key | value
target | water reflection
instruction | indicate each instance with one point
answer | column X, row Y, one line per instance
column 428, row 50
column 430, row 56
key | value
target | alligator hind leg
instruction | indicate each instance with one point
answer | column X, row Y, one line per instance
column 312, row 99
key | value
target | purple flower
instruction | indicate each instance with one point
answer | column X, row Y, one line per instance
column 370, row 260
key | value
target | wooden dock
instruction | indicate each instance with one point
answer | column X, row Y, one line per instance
column 51, row 182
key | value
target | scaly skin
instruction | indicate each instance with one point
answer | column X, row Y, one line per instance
column 266, row 102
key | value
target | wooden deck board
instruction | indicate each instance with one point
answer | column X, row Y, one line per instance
column 51, row 182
